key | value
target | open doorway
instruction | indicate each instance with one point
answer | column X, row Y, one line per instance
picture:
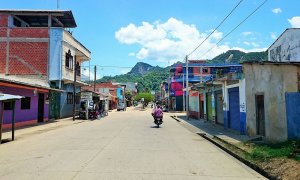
column 41, row 102
column 260, row 115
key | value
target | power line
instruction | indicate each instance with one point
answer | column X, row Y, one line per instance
column 216, row 27
column 236, row 27
column 107, row 66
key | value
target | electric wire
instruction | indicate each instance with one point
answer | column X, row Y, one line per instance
column 215, row 45
column 216, row 27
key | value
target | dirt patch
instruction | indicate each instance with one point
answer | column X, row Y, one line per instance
column 285, row 169
column 282, row 168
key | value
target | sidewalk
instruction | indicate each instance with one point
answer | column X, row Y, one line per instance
column 213, row 130
column 39, row 128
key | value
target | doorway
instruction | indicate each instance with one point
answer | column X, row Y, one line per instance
column 219, row 107
column 260, row 115
column 41, row 102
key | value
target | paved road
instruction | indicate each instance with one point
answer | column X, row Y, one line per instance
column 123, row 145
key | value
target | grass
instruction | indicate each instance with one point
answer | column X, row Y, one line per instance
column 263, row 152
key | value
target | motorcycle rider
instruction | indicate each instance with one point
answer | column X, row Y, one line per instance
column 157, row 112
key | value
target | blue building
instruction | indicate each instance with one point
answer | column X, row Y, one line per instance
column 65, row 58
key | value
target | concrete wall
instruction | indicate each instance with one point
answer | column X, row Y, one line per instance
column 66, row 72
column 55, row 56
column 272, row 81
column 23, row 116
column 286, row 48
column 242, row 95
column 66, row 110
column 119, row 94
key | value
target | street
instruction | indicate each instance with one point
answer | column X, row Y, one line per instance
column 123, row 145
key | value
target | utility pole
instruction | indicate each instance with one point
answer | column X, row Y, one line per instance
column 74, row 89
column 57, row 4
column 95, row 72
column 187, row 87
column 183, row 97
column 169, row 90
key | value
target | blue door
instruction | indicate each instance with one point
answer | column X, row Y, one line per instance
column 292, row 101
column 234, row 109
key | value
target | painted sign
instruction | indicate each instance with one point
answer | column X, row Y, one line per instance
column 87, row 96
column 194, row 101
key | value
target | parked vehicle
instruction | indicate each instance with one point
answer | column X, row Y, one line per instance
column 121, row 106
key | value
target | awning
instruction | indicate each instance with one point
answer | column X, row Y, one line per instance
column 6, row 97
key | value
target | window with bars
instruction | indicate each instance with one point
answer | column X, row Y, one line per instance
column 70, row 98
column 69, row 60
column 8, row 105
column 25, row 103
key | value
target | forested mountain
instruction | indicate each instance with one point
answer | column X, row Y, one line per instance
column 150, row 77
column 236, row 56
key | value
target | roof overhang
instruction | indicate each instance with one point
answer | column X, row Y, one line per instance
column 78, row 83
column 29, row 85
column 39, row 18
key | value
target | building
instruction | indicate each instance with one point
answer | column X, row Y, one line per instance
column 273, row 99
column 197, row 71
column 35, row 46
column 108, row 89
column 220, row 98
column 31, row 109
column 287, row 47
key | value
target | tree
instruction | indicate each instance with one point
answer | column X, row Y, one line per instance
column 147, row 97
column 129, row 97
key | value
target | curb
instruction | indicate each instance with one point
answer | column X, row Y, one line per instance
column 246, row 162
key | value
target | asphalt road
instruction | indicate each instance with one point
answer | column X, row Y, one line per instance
column 123, row 145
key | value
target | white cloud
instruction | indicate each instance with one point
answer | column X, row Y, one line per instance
column 170, row 41
column 295, row 22
column 254, row 44
column 131, row 54
column 251, row 44
column 276, row 10
column 247, row 43
column 247, row 33
column 273, row 35
column 125, row 70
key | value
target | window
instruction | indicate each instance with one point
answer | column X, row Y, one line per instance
column 69, row 60
column 77, row 99
column 8, row 105
column 25, row 103
column 205, row 70
column 17, row 23
column 70, row 98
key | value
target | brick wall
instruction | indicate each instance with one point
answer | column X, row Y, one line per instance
column 3, row 20
column 29, row 32
column 35, row 56
column 2, row 57
column 25, row 57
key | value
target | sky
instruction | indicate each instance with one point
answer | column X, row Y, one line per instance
column 120, row 33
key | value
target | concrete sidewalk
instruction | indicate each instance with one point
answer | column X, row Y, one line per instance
column 39, row 128
column 213, row 130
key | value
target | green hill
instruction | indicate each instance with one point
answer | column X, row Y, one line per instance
column 236, row 56
column 150, row 77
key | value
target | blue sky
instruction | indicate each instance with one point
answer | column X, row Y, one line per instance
column 123, row 32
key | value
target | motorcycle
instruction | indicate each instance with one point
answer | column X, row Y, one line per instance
column 158, row 121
